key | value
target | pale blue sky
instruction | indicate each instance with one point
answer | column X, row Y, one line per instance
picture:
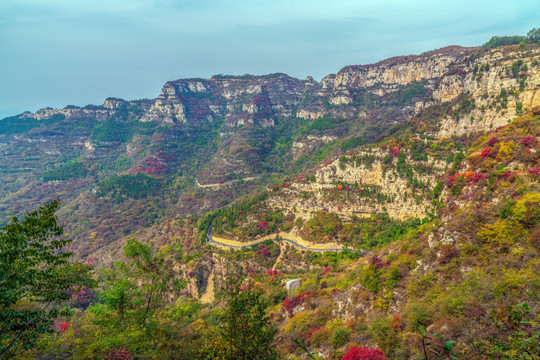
column 61, row 52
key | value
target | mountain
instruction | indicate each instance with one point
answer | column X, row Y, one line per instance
column 423, row 168
column 235, row 127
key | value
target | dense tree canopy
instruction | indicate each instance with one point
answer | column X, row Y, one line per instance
column 36, row 276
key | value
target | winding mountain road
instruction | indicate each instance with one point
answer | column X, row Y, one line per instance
column 212, row 241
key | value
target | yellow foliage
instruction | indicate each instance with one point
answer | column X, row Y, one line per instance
column 381, row 304
column 299, row 323
column 334, row 323
column 513, row 282
column 506, row 149
column 501, row 235
column 528, row 201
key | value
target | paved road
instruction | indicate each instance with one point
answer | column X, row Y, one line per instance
column 211, row 241
column 225, row 183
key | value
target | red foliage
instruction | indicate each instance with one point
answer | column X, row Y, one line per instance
column 364, row 353
column 485, row 152
column 290, row 304
column 529, row 141
column 396, row 322
column 310, row 332
column 492, row 141
column 63, row 326
column 263, row 250
column 118, row 354
column 60, row 326
column 534, row 171
column 478, row 177
column 374, row 260
column 327, row 269
column 262, row 225
column 395, row 152
column 450, row 181
column 508, row 174
column 156, row 165
column 271, row 272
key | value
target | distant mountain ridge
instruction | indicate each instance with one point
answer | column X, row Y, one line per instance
column 232, row 127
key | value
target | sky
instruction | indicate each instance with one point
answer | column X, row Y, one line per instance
column 55, row 53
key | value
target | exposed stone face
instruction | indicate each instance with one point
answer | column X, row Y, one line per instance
column 485, row 86
column 247, row 100
column 401, row 70
column 305, row 198
column 113, row 103
column 99, row 113
column 167, row 107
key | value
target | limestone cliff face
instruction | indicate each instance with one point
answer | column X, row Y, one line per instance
column 337, row 93
column 96, row 113
column 243, row 100
column 113, row 103
column 447, row 75
column 512, row 72
column 401, row 70
column 70, row 112
column 167, row 107
column 334, row 190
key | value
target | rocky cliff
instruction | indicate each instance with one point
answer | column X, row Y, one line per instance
column 351, row 187
column 245, row 100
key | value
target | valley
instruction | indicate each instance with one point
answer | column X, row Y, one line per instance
column 402, row 197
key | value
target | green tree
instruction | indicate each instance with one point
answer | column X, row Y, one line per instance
column 246, row 331
column 35, row 277
column 437, row 191
column 135, row 294
column 534, row 35
column 497, row 41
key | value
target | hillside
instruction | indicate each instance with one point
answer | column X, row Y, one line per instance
column 423, row 169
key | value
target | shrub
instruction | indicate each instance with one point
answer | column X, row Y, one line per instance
column 529, row 141
column 357, row 353
column 384, row 335
column 448, row 252
column 505, row 150
column 499, row 234
column 319, row 336
column 492, row 141
column 340, row 336
column 416, row 314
